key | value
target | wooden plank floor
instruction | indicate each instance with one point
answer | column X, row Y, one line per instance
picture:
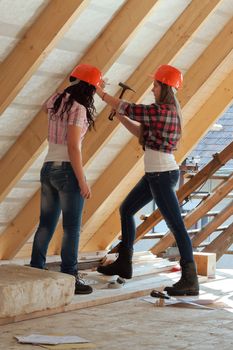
column 138, row 325
column 146, row 275
column 138, row 286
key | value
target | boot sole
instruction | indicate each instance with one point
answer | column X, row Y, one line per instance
column 184, row 293
column 82, row 293
column 113, row 274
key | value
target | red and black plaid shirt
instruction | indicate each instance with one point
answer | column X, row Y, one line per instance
column 162, row 129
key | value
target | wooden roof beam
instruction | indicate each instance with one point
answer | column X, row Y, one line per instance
column 207, row 62
column 19, row 231
column 103, row 51
column 181, row 25
column 100, row 240
column 36, row 43
column 163, row 52
column 32, row 141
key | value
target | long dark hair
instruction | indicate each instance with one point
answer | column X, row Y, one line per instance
column 82, row 93
column 167, row 96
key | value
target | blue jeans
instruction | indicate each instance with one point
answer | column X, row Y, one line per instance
column 60, row 192
column 159, row 186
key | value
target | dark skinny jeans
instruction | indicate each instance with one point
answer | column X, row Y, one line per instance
column 159, row 186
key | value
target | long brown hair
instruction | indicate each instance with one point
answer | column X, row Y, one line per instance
column 167, row 96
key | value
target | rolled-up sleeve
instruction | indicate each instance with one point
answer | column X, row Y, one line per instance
column 137, row 112
column 122, row 107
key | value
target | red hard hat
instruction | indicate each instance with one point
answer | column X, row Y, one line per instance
column 169, row 75
column 87, row 73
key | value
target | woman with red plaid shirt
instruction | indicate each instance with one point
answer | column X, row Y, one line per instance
column 158, row 127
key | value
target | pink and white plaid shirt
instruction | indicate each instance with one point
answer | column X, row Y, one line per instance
column 57, row 127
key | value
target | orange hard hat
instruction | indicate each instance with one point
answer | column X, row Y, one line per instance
column 169, row 75
column 87, row 73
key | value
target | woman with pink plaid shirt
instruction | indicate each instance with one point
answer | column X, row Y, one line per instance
column 63, row 183
column 158, row 127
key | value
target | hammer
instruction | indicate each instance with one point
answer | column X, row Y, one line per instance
column 124, row 88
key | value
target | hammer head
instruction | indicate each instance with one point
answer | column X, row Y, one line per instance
column 125, row 87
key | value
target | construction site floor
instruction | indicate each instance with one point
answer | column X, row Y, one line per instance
column 138, row 325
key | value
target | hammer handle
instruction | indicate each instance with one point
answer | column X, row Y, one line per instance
column 122, row 93
column 113, row 113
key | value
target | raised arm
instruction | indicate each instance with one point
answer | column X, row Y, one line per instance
column 110, row 100
column 131, row 125
column 136, row 112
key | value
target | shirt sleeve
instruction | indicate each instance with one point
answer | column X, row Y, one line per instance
column 138, row 112
column 78, row 115
column 50, row 101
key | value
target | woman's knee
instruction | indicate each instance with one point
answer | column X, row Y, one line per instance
column 126, row 210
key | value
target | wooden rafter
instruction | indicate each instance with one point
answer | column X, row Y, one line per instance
column 199, row 16
column 196, row 214
column 32, row 140
column 108, row 47
column 213, row 225
column 163, row 52
column 25, row 58
column 214, row 107
column 220, row 244
column 18, row 231
column 218, row 50
column 100, row 240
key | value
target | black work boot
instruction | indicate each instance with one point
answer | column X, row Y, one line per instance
column 188, row 284
column 122, row 266
column 81, row 287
